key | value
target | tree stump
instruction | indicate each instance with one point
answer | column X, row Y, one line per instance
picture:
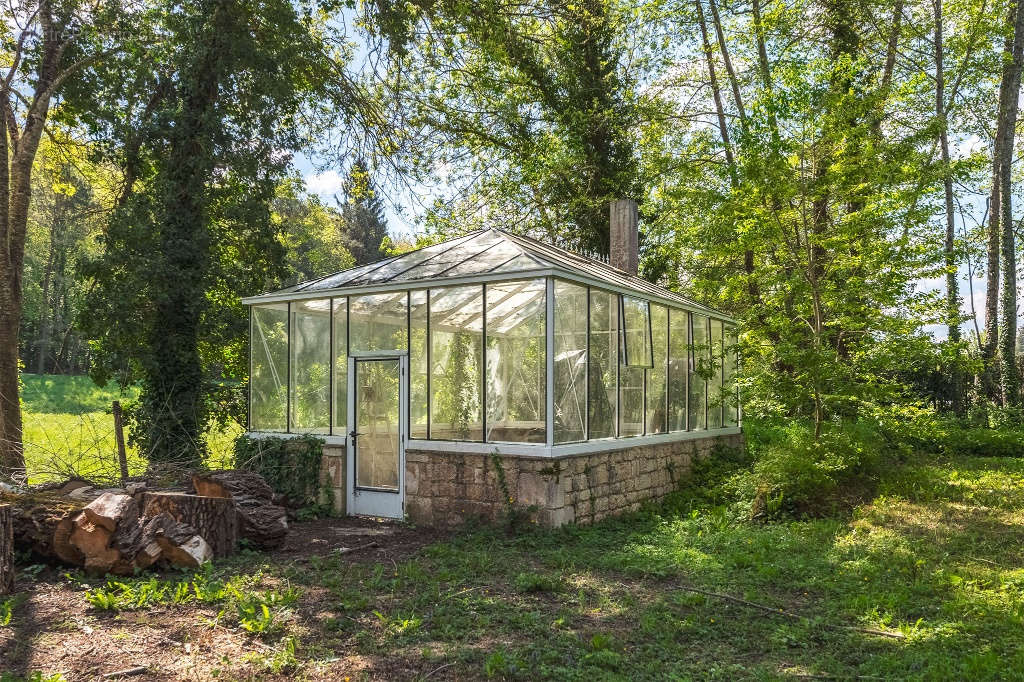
column 6, row 549
column 213, row 518
column 260, row 521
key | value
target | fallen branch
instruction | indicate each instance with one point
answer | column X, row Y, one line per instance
column 789, row 614
column 130, row 672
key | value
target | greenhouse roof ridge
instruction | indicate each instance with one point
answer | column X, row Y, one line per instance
column 482, row 255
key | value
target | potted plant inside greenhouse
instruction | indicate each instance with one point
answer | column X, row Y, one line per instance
column 493, row 371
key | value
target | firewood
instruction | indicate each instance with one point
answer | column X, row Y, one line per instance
column 213, row 518
column 232, row 483
column 6, row 549
column 62, row 547
column 91, row 540
column 260, row 521
column 37, row 517
column 109, row 508
column 147, row 555
column 192, row 553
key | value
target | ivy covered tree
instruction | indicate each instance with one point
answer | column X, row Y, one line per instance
column 193, row 229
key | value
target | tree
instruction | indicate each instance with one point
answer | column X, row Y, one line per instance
column 363, row 225
column 531, row 111
column 46, row 44
column 1002, row 201
column 193, row 228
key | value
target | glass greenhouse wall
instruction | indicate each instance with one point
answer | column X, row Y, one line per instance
column 487, row 361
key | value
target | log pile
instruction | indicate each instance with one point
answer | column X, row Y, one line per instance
column 260, row 521
column 120, row 531
column 6, row 549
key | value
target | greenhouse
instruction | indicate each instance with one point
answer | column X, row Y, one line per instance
column 491, row 344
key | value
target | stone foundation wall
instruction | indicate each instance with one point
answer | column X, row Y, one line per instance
column 449, row 488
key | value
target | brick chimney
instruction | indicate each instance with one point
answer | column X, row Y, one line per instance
column 623, row 235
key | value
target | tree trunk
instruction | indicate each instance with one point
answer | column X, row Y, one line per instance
column 723, row 128
column 6, row 549
column 1008, row 105
column 260, row 521
column 949, row 250
column 764, row 71
column 733, row 82
column 213, row 518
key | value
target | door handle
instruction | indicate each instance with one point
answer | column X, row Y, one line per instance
column 353, row 433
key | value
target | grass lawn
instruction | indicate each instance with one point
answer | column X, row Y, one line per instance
column 69, row 429
column 935, row 559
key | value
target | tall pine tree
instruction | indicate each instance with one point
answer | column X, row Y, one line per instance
column 363, row 225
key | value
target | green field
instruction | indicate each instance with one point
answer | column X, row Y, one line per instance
column 69, row 429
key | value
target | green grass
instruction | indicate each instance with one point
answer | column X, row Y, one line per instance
column 935, row 559
column 69, row 430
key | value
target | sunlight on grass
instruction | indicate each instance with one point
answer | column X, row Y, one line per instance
column 69, row 431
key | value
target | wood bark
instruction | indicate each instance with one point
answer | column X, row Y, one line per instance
column 1009, row 95
column 40, row 519
column 723, row 128
column 213, row 518
column 260, row 521
column 727, row 62
column 6, row 549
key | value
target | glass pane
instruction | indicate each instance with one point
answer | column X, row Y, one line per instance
column 656, row 385
column 604, row 364
column 521, row 262
column 456, row 350
column 452, row 256
column 631, row 401
column 678, row 331
column 418, row 364
column 341, row 366
column 496, row 255
column 377, row 322
column 699, row 370
column 715, row 395
column 397, row 268
column 311, row 366
column 570, row 362
column 516, row 362
column 637, row 336
column 377, row 416
column 731, row 400
column 268, row 385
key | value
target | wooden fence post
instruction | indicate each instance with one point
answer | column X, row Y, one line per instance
column 6, row 548
column 122, row 457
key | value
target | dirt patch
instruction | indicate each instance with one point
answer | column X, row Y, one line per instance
column 53, row 628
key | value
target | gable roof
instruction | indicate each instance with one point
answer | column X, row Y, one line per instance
column 488, row 254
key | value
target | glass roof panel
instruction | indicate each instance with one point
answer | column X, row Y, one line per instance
column 485, row 252
column 396, row 269
column 514, row 306
column 520, row 262
column 465, row 252
column 486, row 261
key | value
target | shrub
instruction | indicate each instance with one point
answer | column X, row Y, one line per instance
column 290, row 465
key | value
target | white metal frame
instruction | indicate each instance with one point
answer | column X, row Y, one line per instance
column 479, row 279
column 362, row 501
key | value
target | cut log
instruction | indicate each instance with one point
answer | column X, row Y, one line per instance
column 62, row 547
column 88, row 538
column 213, row 518
column 232, row 483
column 109, row 508
column 192, row 553
column 6, row 549
column 36, row 520
column 178, row 542
column 260, row 521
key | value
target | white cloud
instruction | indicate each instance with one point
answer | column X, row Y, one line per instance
column 326, row 184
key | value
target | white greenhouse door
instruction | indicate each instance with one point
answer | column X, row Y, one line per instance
column 376, row 443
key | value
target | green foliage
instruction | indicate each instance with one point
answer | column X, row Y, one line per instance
column 290, row 465
column 537, row 582
column 206, row 136
column 364, row 229
column 257, row 612
column 34, row 676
